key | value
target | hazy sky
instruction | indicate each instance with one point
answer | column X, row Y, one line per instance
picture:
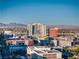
column 55, row 12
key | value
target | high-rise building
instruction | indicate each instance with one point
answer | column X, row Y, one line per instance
column 53, row 32
column 29, row 29
column 36, row 29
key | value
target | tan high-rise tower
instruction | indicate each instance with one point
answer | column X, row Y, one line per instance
column 36, row 29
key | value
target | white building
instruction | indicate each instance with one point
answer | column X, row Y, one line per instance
column 8, row 32
column 41, row 52
column 29, row 29
column 36, row 29
column 31, row 49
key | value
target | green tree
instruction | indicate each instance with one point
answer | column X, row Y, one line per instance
column 78, row 49
column 70, row 58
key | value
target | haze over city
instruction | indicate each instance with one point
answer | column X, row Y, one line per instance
column 52, row 12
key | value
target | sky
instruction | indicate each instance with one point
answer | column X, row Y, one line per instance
column 51, row 12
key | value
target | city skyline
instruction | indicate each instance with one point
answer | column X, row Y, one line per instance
column 51, row 12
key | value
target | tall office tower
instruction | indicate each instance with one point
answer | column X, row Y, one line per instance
column 29, row 29
column 36, row 29
column 53, row 32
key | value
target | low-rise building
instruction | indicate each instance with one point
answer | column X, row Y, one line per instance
column 27, row 42
column 64, row 43
column 45, row 54
column 31, row 49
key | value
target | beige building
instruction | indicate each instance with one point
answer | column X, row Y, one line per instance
column 27, row 42
column 64, row 41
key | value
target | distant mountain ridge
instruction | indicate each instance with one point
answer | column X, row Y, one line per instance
column 2, row 25
column 64, row 26
column 11, row 25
